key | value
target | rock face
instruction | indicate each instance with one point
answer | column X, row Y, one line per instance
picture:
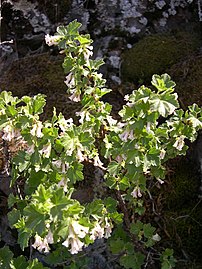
column 114, row 25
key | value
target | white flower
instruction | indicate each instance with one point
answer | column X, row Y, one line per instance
column 84, row 115
column 75, row 97
column 136, row 192
column 30, row 149
column 76, row 231
column 75, row 243
column 9, row 133
column 179, row 143
column 49, row 237
column 41, row 244
column 57, row 163
column 88, row 52
column 36, row 129
column 125, row 135
column 97, row 232
column 63, row 183
column 70, row 81
column 80, row 230
column 97, row 162
column 156, row 237
column 65, row 167
column 162, row 154
column 108, row 229
column 80, row 155
column 46, row 150
column 52, row 40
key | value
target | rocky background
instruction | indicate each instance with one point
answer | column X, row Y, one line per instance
column 136, row 38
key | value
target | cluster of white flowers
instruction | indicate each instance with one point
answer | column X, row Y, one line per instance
column 9, row 133
column 88, row 52
column 136, row 192
column 42, row 244
column 37, row 129
column 76, row 231
column 100, row 231
column 52, row 40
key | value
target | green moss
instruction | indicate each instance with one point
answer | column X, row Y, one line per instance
column 155, row 53
column 40, row 74
column 187, row 75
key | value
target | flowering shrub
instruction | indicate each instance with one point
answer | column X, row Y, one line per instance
column 129, row 152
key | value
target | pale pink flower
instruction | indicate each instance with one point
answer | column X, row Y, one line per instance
column 52, row 40
column 179, row 143
column 75, row 243
column 41, row 244
column 97, row 232
column 37, row 129
column 46, row 150
column 70, row 81
column 75, row 97
column 30, row 149
column 63, row 183
column 108, row 229
column 49, row 237
column 9, row 133
column 136, row 192
column 162, row 154
column 76, row 231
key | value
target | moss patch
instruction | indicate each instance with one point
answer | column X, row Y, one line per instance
column 187, row 75
column 155, row 53
column 40, row 74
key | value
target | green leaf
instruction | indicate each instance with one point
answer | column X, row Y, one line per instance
column 134, row 261
column 5, row 257
column 42, row 194
column 68, row 64
column 113, row 168
column 19, row 263
column 164, row 103
column 14, row 216
column 163, row 82
column 75, row 172
column 83, row 39
column 36, row 217
column 23, row 239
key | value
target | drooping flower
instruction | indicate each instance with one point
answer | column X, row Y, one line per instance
column 70, row 81
column 97, row 232
column 75, row 243
column 76, row 231
column 9, row 132
column 179, row 143
column 63, row 183
column 108, row 229
column 37, row 129
column 46, row 150
column 136, row 192
column 75, row 97
column 41, row 244
column 88, row 52
column 30, row 149
column 52, row 40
